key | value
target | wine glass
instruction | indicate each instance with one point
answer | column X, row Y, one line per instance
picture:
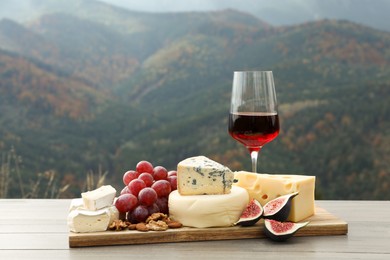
column 253, row 118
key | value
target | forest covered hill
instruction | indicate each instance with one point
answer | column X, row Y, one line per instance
column 92, row 85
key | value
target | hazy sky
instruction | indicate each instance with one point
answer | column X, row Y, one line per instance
column 251, row 6
column 183, row 5
column 272, row 11
column 374, row 13
column 278, row 12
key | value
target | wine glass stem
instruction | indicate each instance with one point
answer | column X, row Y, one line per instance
column 254, row 155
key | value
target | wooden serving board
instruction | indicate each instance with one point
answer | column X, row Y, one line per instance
column 322, row 223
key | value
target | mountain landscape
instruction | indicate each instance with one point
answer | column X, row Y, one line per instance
column 89, row 87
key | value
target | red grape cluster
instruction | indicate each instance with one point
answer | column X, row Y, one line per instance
column 146, row 191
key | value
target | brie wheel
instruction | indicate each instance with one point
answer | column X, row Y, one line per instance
column 203, row 211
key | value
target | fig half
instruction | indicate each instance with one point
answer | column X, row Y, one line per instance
column 281, row 231
column 279, row 208
column 251, row 214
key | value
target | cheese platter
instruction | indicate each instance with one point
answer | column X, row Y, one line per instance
column 322, row 223
column 201, row 201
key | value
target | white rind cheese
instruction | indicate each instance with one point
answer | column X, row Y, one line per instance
column 99, row 198
column 114, row 213
column 266, row 187
column 77, row 203
column 201, row 176
column 85, row 221
column 203, row 211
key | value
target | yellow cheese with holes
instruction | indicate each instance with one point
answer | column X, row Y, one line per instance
column 266, row 187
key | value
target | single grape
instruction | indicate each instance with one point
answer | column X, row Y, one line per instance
column 173, row 181
column 162, row 204
column 139, row 214
column 162, row 188
column 147, row 178
column 129, row 176
column 172, row 173
column 125, row 190
column 147, row 196
column 135, row 186
column 144, row 166
column 160, row 173
column 153, row 209
column 126, row 202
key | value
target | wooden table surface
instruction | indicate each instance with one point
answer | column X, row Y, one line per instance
column 37, row 229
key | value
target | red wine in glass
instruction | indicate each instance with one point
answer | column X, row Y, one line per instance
column 254, row 129
column 253, row 118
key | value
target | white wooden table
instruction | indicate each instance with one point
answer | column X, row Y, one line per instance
column 36, row 229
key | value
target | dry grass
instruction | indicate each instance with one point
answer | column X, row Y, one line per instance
column 4, row 176
column 8, row 168
column 45, row 185
column 94, row 181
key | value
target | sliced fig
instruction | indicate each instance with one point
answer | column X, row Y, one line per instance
column 281, row 231
column 279, row 208
column 251, row 214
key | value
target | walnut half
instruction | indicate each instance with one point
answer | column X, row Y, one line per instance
column 118, row 225
column 157, row 216
column 158, row 225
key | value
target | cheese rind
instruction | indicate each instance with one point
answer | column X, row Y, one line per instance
column 99, row 198
column 76, row 203
column 202, row 211
column 266, row 187
column 114, row 213
column 85, row 221
column 201, row 175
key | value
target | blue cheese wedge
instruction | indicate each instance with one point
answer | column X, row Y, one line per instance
column 99, row 198
column 85, row 221
column 202, row 176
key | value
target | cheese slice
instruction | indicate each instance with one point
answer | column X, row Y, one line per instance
column 99, row 198
column 77, row 203
column 85, row 221
column 114, row 213
column 265, row 187
column 202, row 211
column 201, row 175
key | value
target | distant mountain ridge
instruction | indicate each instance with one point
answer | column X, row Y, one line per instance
column 82, row 90
column 278, row 13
